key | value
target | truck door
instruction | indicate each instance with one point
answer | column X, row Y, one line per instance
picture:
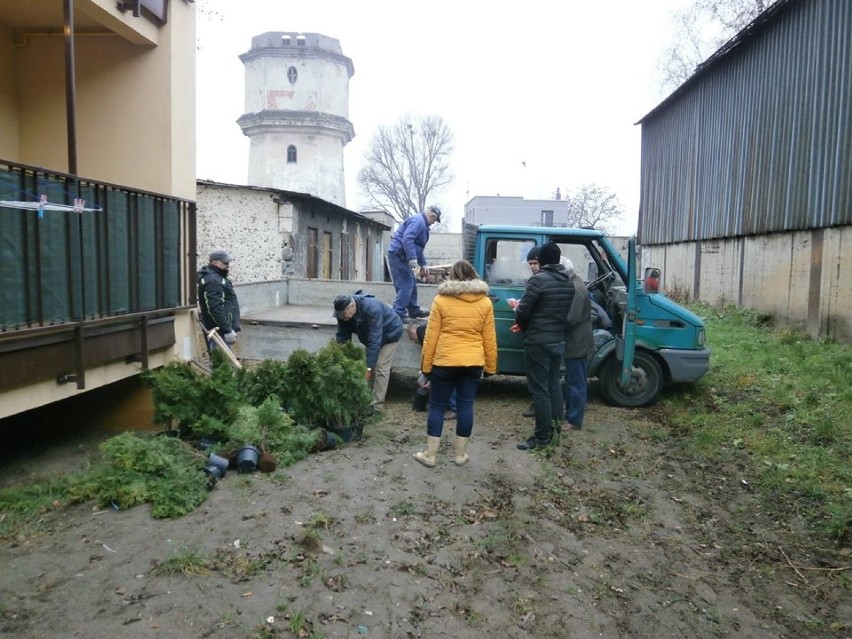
column 504, row 267
column 628, row 333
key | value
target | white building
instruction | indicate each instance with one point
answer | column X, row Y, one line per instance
column 296, row 113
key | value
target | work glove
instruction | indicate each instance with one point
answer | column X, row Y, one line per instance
column 515, row 328
column 423, row 380
column 413, row 263
column 230, row 337
column 512, row 302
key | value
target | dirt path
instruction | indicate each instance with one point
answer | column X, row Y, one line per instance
column 614, row 535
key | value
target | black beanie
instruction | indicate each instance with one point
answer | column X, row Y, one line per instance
column 533, row 254
column 549, row 253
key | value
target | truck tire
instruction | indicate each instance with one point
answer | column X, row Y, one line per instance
column 643, row 388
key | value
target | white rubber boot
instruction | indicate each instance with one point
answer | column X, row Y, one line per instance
column 461, row 451
column 429, row 456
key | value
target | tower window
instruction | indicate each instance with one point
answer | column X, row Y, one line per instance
column 285, row 41
column 291, row 154
column 300, row 40
column 292, row 75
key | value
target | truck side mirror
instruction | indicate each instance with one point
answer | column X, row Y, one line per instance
column 651, row 283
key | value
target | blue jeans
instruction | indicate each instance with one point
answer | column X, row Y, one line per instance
column 442, row 382
column 404, row 284
column 575, row 390
column 544, row 363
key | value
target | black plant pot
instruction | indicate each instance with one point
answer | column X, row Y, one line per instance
column 247, row 458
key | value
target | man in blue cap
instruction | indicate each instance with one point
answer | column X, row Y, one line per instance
column 405, row 253
column 378, row 328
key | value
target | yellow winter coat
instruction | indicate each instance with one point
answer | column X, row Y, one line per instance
column 461, row 331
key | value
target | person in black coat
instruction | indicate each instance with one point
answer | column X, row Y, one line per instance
column 217, row 300
column 542, row 316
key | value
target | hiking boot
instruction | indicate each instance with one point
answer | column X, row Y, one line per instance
column 532, row 443
column 418, row 314
column 530, row 412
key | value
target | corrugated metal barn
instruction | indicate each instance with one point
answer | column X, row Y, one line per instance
column 746, row 178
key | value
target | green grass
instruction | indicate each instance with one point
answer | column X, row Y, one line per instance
column 782, row 403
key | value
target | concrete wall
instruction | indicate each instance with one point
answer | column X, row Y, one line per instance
column 801, row 278
column 280, row 317
column 259, row 296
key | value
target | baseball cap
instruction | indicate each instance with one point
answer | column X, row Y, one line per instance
column 341, row 302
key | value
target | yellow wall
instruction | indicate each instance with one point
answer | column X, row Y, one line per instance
column 8, row 99
column 135, row 103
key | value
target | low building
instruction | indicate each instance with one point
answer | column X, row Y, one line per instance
column 274, row 234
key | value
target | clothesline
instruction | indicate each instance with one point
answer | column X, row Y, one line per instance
column 47, row 206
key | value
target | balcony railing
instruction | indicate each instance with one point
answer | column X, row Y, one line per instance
column 124, row 251
column 91, row 273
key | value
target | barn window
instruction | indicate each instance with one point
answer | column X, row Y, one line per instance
column 292, row 75
column 291, row 154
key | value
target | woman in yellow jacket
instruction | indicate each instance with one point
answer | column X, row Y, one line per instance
column 459, row 347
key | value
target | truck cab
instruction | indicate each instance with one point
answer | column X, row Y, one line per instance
column 653, row 340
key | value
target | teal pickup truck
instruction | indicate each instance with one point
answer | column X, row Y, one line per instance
column 653, row 341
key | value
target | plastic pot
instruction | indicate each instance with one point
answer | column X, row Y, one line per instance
column 220, row 462
column 214, row 474
column 247, row 458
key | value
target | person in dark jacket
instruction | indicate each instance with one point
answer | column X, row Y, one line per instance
column 378, row 328
column 542, row 316
column 217, row 300
column 406, row 253
column 579, row 344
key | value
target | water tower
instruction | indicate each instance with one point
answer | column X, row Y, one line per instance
column 297, row 113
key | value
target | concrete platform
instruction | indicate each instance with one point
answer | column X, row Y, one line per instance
column 274, row 333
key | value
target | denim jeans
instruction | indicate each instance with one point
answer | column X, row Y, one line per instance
column 575, row 390
column 404, row 284
column 543, row 363
column 442, row 381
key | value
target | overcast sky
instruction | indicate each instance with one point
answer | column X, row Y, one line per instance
column 539, row 94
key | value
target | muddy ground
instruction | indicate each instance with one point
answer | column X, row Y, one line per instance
column 615, row 534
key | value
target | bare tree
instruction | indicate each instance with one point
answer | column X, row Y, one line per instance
column 593, row 205
column 701, row 29
column 406, row 164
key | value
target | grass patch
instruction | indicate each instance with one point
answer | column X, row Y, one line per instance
column 781, row 402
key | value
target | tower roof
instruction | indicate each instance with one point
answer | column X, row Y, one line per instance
column 297, row 44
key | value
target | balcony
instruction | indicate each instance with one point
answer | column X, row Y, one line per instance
column 87, row 285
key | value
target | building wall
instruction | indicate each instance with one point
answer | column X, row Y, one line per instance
column 266, row 232
column 135, row 125
column 801, row 278
column 135, row 100
column 498, row 209
column 9, row 136
column 318, row 170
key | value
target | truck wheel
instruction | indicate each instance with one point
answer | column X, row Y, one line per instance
column 642, row 389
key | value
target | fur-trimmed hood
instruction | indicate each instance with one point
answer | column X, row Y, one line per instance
column 474, row 289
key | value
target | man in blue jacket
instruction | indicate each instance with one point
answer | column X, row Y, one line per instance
column 405, row 253
column 378, row 328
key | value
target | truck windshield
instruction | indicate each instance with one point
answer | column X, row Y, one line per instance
column 506, row 260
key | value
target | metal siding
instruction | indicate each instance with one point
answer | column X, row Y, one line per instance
column 761, row 141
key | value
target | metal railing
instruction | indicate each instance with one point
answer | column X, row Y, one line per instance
column 74, row 250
